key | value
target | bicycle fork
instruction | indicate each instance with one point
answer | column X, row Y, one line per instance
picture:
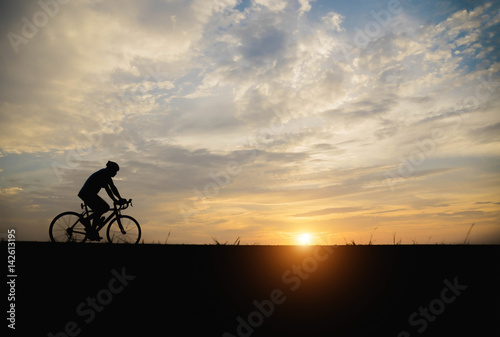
column 118, row 219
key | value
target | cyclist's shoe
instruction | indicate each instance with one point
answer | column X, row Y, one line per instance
column 93, row 235
column 96, row 238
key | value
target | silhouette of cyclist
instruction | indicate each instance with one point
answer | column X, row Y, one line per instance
column 89, row 191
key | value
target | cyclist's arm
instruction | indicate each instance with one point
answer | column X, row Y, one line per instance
column 108, row 190
column 112, row 191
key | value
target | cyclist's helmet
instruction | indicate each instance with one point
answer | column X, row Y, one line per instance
column 113, row 166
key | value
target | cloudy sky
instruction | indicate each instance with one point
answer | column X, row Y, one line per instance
column 259, row 119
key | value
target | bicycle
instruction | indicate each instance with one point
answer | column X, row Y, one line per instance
column 70, row 227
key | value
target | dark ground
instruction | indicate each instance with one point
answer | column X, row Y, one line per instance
column 184, row 290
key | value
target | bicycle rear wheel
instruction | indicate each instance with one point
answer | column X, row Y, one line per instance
column 67, row 227
column 131, row 232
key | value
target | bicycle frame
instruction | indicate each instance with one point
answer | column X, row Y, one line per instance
column 116, row 212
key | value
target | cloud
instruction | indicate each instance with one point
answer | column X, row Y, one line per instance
column 10, row 190
column 175, row 92
column 334, row 21
column 94, row 67
column 305, row 6
column 389, row 211
column 273, row 5
column 486, row 203
column 326, row 211
column 486, row 134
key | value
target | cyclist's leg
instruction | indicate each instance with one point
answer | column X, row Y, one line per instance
column 99, row 206
column 86, row 220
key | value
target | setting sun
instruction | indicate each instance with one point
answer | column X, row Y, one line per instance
column 305, row 239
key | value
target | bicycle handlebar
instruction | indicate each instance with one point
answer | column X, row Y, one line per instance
column 125, row 205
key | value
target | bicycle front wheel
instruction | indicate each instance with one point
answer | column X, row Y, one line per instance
column 124, row 229
column 67, row 227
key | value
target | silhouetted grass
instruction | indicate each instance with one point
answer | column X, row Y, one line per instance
column 397, row 242
column 235, row 243
column 467, row 236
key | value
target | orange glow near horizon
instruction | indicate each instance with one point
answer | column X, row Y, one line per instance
column 305, row 239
